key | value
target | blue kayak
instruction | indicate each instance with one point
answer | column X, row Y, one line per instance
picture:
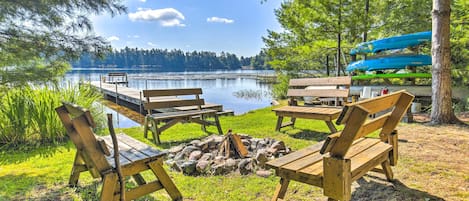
column 396, row 42
column 390, row 62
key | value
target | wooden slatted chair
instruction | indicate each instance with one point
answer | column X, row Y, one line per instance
column 336, row 88
column 167, row 101
column 94, row 154
column 347, row 155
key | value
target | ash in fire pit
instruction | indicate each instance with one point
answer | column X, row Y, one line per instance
column 218, row 155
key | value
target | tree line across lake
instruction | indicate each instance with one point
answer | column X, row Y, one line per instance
column 171, row 60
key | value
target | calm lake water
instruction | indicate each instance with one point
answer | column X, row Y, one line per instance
column 235, row 90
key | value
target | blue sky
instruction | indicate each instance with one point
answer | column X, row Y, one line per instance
column 234, row 26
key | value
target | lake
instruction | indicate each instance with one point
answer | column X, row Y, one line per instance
column 237, row 90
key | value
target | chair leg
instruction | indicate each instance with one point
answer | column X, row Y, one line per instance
column 165, row 180
column 73, row 181
column 139, row 179
column 145, row 128
column 217, row 122
column 204, row 128
column 281, row 189
column 155, row 132
column 292, row 122
column 279, row 123
column 109, row 187
column 387, row 170
column 331, row 126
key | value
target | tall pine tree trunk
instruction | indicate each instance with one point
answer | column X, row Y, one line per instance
column 442, row 110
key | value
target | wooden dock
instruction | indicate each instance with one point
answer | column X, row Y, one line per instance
column 133, row 98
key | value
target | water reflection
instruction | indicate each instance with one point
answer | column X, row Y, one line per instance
column 235, row 90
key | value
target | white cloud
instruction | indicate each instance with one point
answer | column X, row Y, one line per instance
column 143, row 1
column 220, row 20
column 133, row 36
column 151, row 44
column 167, row 17
column 113, row 38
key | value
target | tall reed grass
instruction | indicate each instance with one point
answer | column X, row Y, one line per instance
column 27, row 115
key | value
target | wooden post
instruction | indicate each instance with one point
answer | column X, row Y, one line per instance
column 117, row 96
column 337, row 178
column 140, row 104
column 327, row 65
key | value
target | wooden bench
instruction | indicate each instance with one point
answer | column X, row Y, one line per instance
column 347, row 155
column 331, row 87
column 165, row 100
column 94, row 154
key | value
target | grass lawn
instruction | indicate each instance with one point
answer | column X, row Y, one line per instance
column 432, row 166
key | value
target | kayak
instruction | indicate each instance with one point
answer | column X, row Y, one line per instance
column 392, row 75
column 390, row 62
column 396, row 42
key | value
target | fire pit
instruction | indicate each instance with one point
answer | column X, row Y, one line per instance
column 218, row 155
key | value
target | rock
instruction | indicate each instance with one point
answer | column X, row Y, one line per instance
column 206, row 157
column 246, row 143
column 170, row 155
column 231, row 164
column 179, row 156
column 177, row 165
column 169, row 162
column 261, row 144
column 195, row 143
column 188, row 167
column 188, row 150
column 176, row 149
column 219, row 159
column 274, row 102
column 278, row 145
column 263, row 173
column 195, row 155
column 220, row 169
column 245, row 166
column 202, row 166
column 271, row 151
column 261, row 157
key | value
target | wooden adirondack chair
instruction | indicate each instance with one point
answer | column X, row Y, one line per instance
column 94, row 154
column 347, row 155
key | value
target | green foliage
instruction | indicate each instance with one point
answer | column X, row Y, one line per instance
column 27, row 115
column 38, row 38
column 167, row 60
column 460, row 42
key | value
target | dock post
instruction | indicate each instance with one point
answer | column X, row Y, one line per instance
column 117, row 95
column 140, row 105
column 146, row 84
column 101, row 83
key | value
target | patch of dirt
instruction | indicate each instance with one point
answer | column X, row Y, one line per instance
column 433, row 165
column 425, row 117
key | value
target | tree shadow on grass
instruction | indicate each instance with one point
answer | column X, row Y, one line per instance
column 309, row 135
column 20, row 154
column 378, row 188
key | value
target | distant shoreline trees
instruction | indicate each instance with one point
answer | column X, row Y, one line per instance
column 171, row 60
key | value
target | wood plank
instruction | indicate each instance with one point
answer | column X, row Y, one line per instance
column 90, row 145
column 238, row 145
column 127, row 151
column 327, row 81
column 304, row 162
column 276, row 163
column 173, row 103
column 337, row 178
column 372, row 125
column 165, row 180
column 345, row 140
column 140, row 146
column 189, row 113
column 318, row 92
column 143, row 190
column 379, row 103
column 171, row 92
column 368, row 159
column 308, row 179
column 399, row 111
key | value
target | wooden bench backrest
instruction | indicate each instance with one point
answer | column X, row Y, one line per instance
column 79, row 124
column 166, row 98
column 355, row 115
column 338, row 87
